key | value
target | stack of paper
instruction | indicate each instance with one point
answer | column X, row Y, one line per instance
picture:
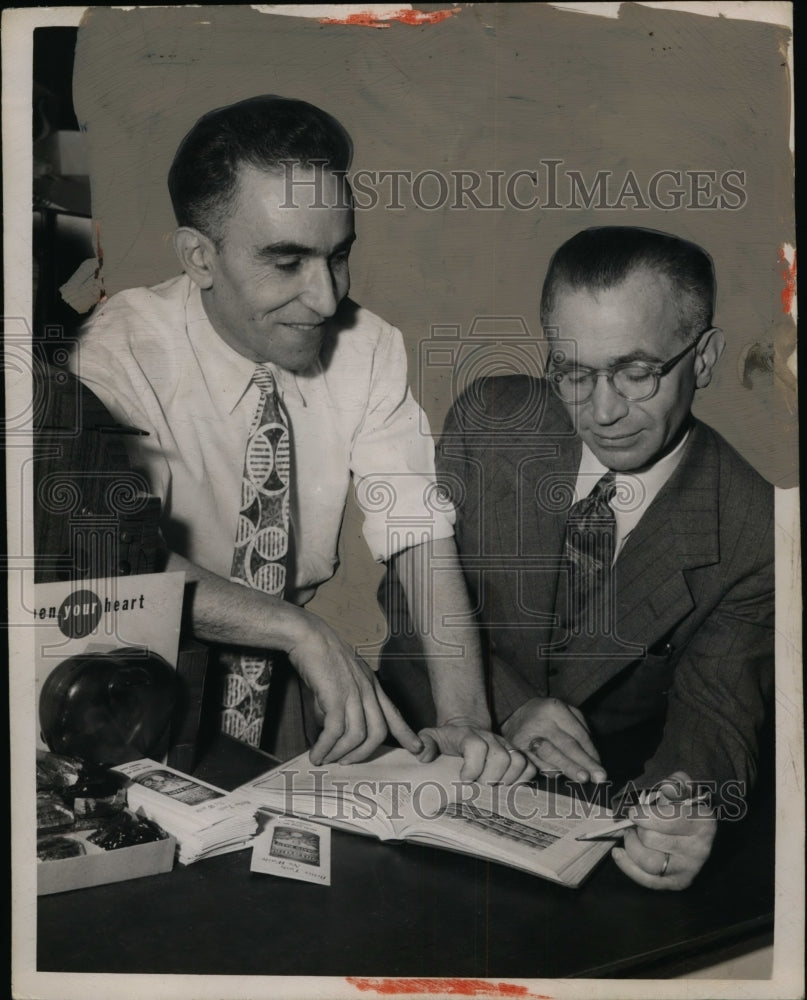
column 205, row 820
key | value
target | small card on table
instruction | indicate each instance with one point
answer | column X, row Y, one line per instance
column 293, row 848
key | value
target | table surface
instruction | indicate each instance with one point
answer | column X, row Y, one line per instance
column 407, row 910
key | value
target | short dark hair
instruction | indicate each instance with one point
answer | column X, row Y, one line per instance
column 262, row 132
column 604, row 256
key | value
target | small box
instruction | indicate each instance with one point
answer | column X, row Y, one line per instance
column 100, row 866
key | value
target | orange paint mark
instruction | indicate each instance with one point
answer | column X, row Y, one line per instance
column 789, row 274
column 370, row 19
column 443, row 987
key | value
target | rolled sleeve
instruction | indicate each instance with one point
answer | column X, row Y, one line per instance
column 392, row 462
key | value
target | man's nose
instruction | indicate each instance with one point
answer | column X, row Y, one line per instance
column 322, row 293
column 607, row 406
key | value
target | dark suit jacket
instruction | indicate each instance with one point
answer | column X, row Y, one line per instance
column 691, row 655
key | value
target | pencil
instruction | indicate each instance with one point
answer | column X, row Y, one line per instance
column 625, row 824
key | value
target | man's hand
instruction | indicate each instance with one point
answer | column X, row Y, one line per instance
column 672, row 839
column 554, row 736
column 487, row 758
column 348, row 696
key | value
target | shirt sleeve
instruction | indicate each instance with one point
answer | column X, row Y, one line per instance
column 115, row 377
column 392, row 461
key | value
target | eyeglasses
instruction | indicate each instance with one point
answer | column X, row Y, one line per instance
column 633, row 380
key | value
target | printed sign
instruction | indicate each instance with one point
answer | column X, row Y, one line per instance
column 135, row 612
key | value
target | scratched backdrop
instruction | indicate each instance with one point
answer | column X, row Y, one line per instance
column 489, row 88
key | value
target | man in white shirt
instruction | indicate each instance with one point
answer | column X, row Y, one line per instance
column 669, row 653
column 265, row 227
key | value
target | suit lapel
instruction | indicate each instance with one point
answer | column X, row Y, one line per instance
column 678, row 532
column 532, row 534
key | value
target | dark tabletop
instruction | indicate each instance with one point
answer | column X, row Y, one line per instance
column 406, row 910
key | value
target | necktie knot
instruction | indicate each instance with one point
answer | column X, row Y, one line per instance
column 606, row 487
column 598, row 502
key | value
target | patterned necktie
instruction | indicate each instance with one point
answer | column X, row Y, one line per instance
column 589, row 549
column 259, row 558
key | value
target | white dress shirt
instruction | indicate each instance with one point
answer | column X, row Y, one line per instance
column 153, row 358
column 635, row 491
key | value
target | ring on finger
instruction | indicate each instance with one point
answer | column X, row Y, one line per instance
column 665, row 865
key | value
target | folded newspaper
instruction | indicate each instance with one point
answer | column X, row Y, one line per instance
column 205, row 820
column 394, row 797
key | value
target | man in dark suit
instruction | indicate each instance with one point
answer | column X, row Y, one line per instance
column 650, row 628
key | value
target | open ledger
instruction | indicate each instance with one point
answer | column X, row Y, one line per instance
column 394, row 797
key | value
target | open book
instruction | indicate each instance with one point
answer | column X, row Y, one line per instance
column 394, row 797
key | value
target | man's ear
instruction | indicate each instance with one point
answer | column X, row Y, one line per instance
column 708, row 352
column 196, row 253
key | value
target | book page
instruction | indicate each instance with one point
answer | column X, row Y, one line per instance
column 384, row 796
column 393, row 795
column 519, row 825
column 356, row 797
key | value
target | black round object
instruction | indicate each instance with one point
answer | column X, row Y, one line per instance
column 110, row 707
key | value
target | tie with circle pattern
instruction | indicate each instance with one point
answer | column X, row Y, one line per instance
column 261, row 545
